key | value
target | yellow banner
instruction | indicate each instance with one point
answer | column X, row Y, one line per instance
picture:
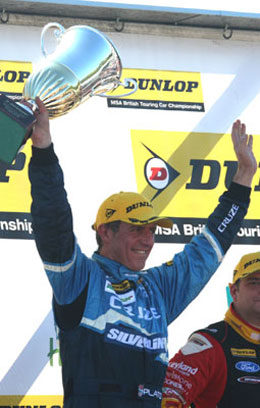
column 14, row 183
column 168, row 90
column 31, row 401
column 185, row 173
column 15, row 220
column 13, row 75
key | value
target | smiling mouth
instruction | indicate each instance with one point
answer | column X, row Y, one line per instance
column 141, row 251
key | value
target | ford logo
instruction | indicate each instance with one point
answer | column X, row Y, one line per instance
column 247, row 366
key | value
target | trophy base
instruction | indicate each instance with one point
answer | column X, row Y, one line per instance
column 16, row 123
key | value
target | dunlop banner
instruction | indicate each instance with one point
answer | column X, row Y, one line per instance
column 15, row 218
column 13, row 75
column 167, row 90
column 32, row 401
column 184, row 174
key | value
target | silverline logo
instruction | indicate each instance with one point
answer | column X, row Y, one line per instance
column 139, row 341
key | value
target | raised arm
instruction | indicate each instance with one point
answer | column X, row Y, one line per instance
column 234, row 203
column 243, row 145
column 41, row 137
column 51, row 213
column 202, row 256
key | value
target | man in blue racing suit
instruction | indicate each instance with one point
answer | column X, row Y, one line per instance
column 111, row 313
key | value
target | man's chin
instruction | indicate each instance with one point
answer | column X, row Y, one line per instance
column 137, row 267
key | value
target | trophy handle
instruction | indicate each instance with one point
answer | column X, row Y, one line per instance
column 57, row 34
column 124, row 84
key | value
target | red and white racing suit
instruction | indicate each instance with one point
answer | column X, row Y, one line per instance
column 219, row 367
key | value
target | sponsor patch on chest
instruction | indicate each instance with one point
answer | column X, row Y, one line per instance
column 122, row 290
column 243, row 352
column 127, row 338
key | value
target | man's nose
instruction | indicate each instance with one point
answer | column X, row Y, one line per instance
column 148, row 235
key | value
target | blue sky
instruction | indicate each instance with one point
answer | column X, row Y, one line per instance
column 249, row 6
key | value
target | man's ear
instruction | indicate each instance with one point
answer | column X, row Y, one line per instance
column 104, row 232
column 233, row 290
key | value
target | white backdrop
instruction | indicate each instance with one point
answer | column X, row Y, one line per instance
column 94, row 146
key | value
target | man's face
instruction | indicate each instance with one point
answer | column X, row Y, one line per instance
column 130, row 245
column 246, row 298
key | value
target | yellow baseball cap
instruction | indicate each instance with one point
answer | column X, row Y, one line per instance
column 132, row 208
column 248, row 264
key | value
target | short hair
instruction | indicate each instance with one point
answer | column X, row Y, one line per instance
column 237, row 283
column 114, row 226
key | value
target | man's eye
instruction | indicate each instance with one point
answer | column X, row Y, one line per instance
column 136, row 229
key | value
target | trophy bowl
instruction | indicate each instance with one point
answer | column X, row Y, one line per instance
column 85, row 63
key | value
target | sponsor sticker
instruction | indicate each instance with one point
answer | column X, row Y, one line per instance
column 249, row 380
column 174, row 384
column 196, row 344
column 118, row 287
column 183, row 368
column 160, row 90
column 171, row 403
column 179, row 379
column 148, row 392
column 247, row 366
column 243, row 352
column 127, row 297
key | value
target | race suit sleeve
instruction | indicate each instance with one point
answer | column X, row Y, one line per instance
column 226, row 219
column 52, row 219
column 181, row 279
column 53, row 229
column 196, row 374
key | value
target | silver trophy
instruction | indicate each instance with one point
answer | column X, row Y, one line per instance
column 85, row 63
